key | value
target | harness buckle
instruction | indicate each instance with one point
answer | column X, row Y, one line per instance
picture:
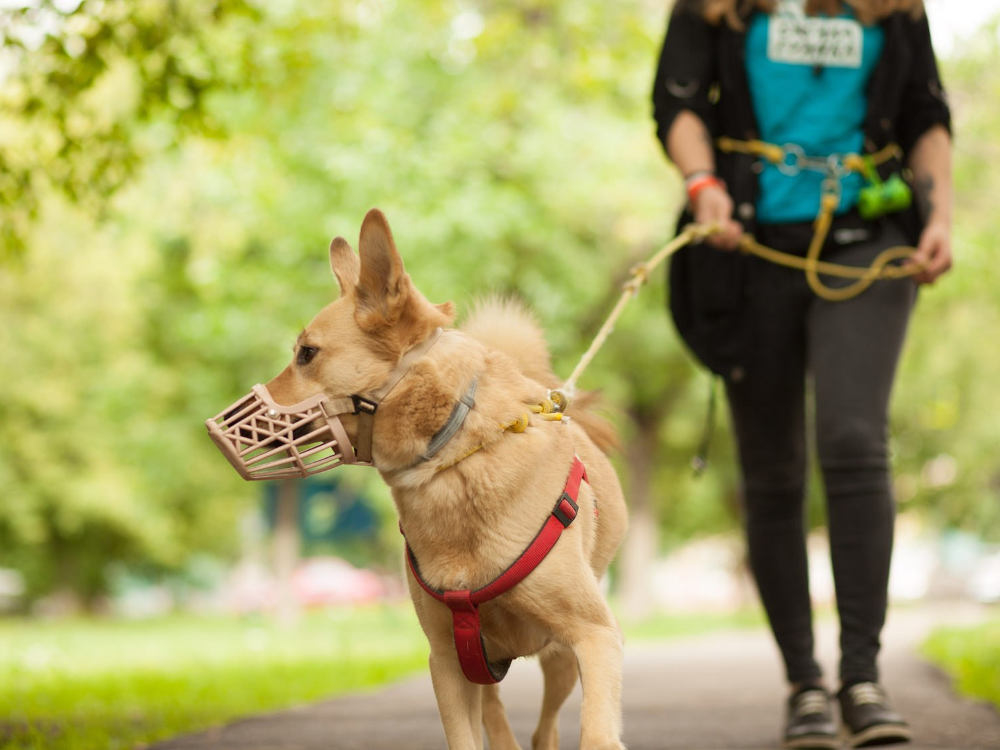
column 565, row 510
column 363, row 405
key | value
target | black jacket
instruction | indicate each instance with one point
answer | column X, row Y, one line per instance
column 702, row 68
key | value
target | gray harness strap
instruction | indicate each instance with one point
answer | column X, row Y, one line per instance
column 455, row 421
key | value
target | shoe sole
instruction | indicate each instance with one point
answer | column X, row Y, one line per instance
column 813, row 742
column 881, row 734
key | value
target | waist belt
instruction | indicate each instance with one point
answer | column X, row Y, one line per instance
column 464, row 604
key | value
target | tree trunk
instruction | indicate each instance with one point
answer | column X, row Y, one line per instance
column 286, row 550
column 639, row 550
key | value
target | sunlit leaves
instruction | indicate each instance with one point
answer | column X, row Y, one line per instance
column 82, row 80
column 510, row 145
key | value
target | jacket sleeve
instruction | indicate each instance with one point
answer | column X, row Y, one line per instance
column 686, row 75
column 924, row 103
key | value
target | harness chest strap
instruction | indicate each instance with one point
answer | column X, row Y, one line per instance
column 464, row 604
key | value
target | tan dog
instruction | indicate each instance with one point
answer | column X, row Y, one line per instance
column 472, row 508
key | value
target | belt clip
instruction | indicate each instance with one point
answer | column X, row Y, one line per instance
column 566, row 509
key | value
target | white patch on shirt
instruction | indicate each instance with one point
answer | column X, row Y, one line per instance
column 798, row 39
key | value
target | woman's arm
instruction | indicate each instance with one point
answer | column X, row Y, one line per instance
column 930, row 161
column 685, row 76
column 689, row 146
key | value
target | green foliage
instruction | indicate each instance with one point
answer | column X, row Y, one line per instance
column 494, row 138
column 946, row 399
column 99, row 86
column 971, row 655
column 679, row 624
column 92, row 683
column 510, row 145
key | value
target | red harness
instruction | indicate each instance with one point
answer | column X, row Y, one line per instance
column 464, row 605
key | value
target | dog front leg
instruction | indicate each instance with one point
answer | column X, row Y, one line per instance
column 498, row 731
column 599, row 652
column 459, row 701
column 560, row 668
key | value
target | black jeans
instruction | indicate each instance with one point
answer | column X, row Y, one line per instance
column 850, row 350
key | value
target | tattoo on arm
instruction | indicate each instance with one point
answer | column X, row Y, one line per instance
column 923, row 187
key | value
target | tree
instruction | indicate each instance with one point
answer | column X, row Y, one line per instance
column 510, row 145
column 98, row 87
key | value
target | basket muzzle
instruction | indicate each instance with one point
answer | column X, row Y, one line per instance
column 265, row 440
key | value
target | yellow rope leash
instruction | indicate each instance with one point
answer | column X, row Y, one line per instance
column 639, row 275
column 865, row 276
column 881, row 267
column 810, row 264
column 793, row 159
column 552, row 408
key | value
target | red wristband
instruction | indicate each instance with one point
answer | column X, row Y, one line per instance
column 699, row 183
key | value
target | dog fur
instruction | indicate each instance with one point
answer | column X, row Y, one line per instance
column 467, row 517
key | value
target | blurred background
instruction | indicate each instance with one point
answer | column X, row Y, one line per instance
column 171, row 173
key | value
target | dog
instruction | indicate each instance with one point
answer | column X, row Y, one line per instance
column 476, row 467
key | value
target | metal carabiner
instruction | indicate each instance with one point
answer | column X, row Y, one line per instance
column 835, row 167
column 832, row 186
column 794, row 167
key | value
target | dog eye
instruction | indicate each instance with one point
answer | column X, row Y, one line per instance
column 305, row 355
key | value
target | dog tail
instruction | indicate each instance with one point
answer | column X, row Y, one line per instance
column 505, row 324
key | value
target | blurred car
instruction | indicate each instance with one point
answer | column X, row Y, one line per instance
column 323, row 581
column 316, row 582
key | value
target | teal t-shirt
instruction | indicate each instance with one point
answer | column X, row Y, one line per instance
column 808, row 77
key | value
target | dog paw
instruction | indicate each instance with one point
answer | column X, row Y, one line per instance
column 602, row 745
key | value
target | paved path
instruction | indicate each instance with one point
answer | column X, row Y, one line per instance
column 716, row 692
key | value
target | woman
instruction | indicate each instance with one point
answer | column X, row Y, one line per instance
column 820, row 80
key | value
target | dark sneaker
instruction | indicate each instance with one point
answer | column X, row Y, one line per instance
column 809, row 724
column 869, row 718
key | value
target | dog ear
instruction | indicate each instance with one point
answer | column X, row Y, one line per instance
column 447, row 309
column 383, row 285
column 344, row 264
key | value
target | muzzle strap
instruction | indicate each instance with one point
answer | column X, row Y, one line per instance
column 365, row 410
column 403, row 366
column 332, row 409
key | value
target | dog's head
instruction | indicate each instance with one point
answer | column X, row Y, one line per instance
column 355, row 342
column 311, row 415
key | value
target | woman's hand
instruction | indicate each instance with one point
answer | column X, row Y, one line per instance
column 930, row 161
column 933, row 252
column 713, row 205
column 689, row 145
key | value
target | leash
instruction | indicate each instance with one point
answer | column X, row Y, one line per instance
column 864, row 276
column 789, row 159
column 639, row 274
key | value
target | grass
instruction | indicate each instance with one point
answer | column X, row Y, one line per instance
column 677, row 625
column 85, row 684
column 70, row 685
column 971, row 655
